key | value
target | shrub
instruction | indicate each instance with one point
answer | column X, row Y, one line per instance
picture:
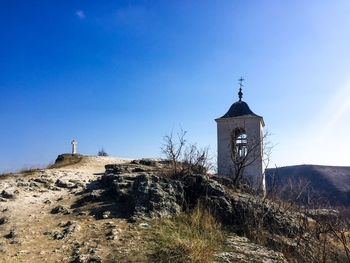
column 102, row 153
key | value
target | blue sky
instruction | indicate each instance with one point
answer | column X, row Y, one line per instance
column 122, row 74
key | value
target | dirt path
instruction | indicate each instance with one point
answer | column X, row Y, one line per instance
column 32, row 233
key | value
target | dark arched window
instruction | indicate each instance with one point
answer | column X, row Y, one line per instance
column 239, row 143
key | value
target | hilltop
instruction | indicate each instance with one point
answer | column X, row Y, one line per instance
column 106, row 209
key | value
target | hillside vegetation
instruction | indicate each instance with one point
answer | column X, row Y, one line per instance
column 105, row 209
column 326, row 185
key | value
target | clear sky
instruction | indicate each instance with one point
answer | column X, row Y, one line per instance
column 121, row 74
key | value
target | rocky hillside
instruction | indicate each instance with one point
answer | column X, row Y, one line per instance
column 37, row 220
column 332, row 183
column 104, row 209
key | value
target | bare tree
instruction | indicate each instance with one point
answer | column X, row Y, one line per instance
column 173, row 150
column 196, row 160
column 245, row 151
column 185, row 158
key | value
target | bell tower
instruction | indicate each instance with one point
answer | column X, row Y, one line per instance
column 240, row 144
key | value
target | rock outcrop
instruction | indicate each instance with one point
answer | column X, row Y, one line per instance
column 242, row 250
column 329, row 215
column 9, row 193
column 68, row 228
column 147, row 194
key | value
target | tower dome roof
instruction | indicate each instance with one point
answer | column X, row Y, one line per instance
column 239, row 108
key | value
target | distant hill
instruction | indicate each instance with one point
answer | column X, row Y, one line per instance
column 332, row 183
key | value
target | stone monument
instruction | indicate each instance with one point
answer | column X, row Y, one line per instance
column 74, row 147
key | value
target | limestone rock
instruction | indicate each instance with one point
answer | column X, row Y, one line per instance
column 22, row 184
column 33, row 185
column 45, row 181
column 240, row 209
column 65, row 184
column 156, row 197
column 150, row 162
column 243, row 251
column 12, row 234
column 95, row 259
column 147, row 195
column 87, row 259
column 69, row 228
column 111, row 235
column 9, row 193
column 106, row 214
column 3, row 220
column 63, row 209
column 323, row 214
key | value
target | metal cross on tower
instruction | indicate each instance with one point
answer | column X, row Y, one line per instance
column 240, row 93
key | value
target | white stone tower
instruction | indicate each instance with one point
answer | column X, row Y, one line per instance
column 240, row 144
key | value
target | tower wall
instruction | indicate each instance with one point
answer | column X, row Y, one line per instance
column 255, row 172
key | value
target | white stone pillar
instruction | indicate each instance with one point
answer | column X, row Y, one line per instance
column 74, row 148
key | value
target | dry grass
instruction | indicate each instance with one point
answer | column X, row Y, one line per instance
column 4, row 176
column 30, row 171
column 67, row 161
column 20, row 173
column 189, row 237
